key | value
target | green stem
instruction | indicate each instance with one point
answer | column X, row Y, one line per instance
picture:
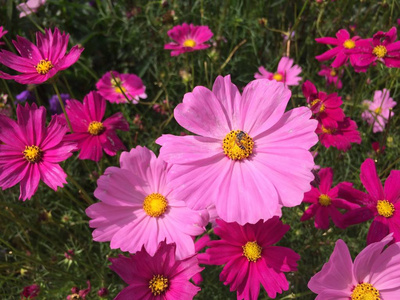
column 85, row 195
column 35, row 23
column 11, row 96
column 62, row 106
column 118, row 84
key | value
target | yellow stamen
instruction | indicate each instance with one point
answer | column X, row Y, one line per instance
column 96, row 128
column 277, row 77
column 189, row 43
column 155, row 205
column 328, row 130
column 44, row 66
column 238, row 145
column 385, row 208
column 365, row 291
column 349, row 44
column 324, row 200
column 252, row 251
column 32, row 153
column 158, row 284
column 378, row 110
column 333, row 73
column 380, row 51
column 117, row 84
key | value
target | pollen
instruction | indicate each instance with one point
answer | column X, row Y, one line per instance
column 117, row 84
column 96, row 128
column 322, row 106
column 385, row 208
column 328, row 130
column 44, row 66
column 380, row 51
column 189, row 43
column 238, row 145
column 324, row 200
column 277, row 77
column 333, row 73
column 365, row 291
column 155, row 205
column 252, row 251
column 33, row 153
column 378, row 110
column 349, row 44
column 158, row 284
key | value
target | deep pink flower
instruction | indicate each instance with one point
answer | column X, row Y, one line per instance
column 373, row 275
column 378, row 148
column 199, row 245
column 79, row 294
column 250, row 259
column 30, row 292
column 331, row 76
column 39, row 63
column 341, row 43
column 31, row 151
column 377, row 112
column 138, row 207
column 157, row 277
column 30, row 6
column 2, row 33
column 326, row 202
column 247, row 147
column 380, row 204
column 341, row 136
column 89, row 131
column 286, row 72
column 188, row 38
column 130, row 84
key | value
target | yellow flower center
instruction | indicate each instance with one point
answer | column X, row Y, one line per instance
column 316, row 101
column 96, row 128
column 365, row 291
column 44, row 66
column 155, row 205
column 238, row 145
column 380, row 51
column 333, row 72
column 378, row 110
column 277, row 77
column 328, row 130
column 189, row 43
column 385, row 208
column 349, row 44
column 117, row 84
column 158, row 284
column 252, row 251
column 32, row 153
column 324, row 200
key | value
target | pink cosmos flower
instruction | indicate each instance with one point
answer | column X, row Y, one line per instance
column 39, row 63
column 377, row 112
column 2, row 33
column 250, row 259
column 113, row 89
column 188, row 38
column 158, row 276
column 30, row 6
column 373, row 275
column 89, row 131
column 79, row 294
column 30, row 292
column 380, row 204
column 326, row 202
column 138, row 207
column 31, row 151
column 331, row 76
column 342, row 42
column 341, row 136
column 286, row 72
column 247, row 147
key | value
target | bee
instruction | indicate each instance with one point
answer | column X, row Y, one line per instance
column 238, row 140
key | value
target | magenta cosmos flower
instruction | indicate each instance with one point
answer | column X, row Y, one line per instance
column 188, row 38
column 341, row 43
column 286, row 72
column 113, row 89
column 380, row 204
column 325, row 202
column 31, row 152
column 250, row 259
column 30, row 6
column 2, row 33
column 378, row 111
column 39, row 63
column 247, row 147
column 89, row 131
column 373, row 275
column 138, row 207
column 30, row 292
column 331, row 76
column 160, row 276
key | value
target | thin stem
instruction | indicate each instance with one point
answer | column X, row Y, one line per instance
column 231, row 54
column 62, row 106
column 85, row 195
column 118, row 84
column 11, row 95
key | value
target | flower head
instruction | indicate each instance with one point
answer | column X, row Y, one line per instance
column 244, row 150
column 188, row 38
column 331, row 76
column 39, row 63
column 31, row 151
column 113, row 87
column 2, row 33
column 30, row 292
column 286, row 72
column 54, row 103
column 30, row 6
column 78, row 294
column 5, row 108
column 157, row 276
column 24, row 96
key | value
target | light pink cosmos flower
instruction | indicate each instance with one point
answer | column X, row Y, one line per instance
column 326, row 202
column 246, row 147
column 30, row 6
column 138, row 207
column 250, row 258
column 2, row 33
column 188, row 38
column 377, row 112
column 286, row 72
column 374, row 274
column 90, row 132
column 113, row 89
column 331, row 76
column 380, row 204
column 31, row 151
column 158, row 276
column 39, row 63
column 342, row 42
